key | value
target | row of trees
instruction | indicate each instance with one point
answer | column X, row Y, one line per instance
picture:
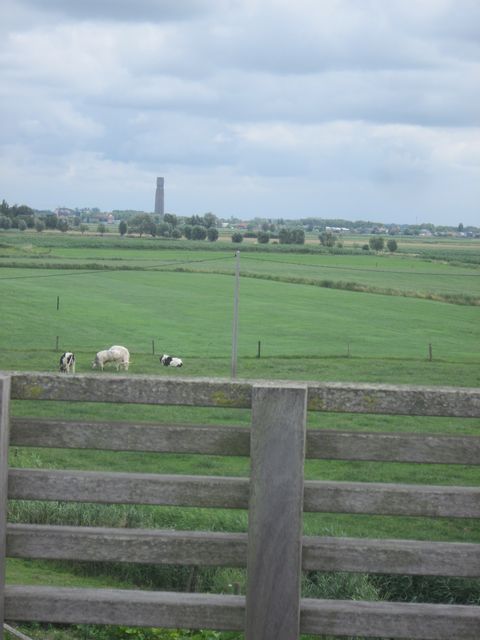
column 194, row 228
column 16, row 216
column 375, row 243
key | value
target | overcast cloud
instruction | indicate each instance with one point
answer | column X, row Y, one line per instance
column 357, row 109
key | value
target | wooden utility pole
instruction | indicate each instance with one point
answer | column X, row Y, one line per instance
column 235, row 314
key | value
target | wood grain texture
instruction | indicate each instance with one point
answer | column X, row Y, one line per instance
column 235, row 440
column 128, row 488
column 124, row 607
column 390, row 620
column 230, row 550
column 392, row 499
column 409, row 557
column 394, row 399
column 174, row 610
column 202, row 392
column 127, row 545
column 123, row 436
column 275, row 513
column 393, row 447
column 4, row 444
column 328, row 396
column 221, row 492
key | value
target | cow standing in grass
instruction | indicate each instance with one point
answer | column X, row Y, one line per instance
column 117, row 354
column 67, row 362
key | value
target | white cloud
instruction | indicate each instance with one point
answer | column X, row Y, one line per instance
column 258, row 104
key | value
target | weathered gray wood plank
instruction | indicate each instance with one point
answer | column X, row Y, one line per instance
column 410, row 557
column 275, row 512
column 127, row 545
column 390, row 620
column 206, row 491
column 128, row 488
column 228, row 549
column 394, row 399
column 328, row 396
column 124, row 607
column 202, row 392
column 393, row 447
column 235, row 440
column 174, row 610
column 392, row 499
column 4, row 437
column 16, row 633
column 122, row 436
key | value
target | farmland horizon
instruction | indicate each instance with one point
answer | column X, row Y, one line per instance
column 341, row 223
column 316, row 313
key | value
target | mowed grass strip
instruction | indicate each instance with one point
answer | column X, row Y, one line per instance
column 190, row 314
column 396, row 274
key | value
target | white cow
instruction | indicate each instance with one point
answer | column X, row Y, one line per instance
column 117, row 354
column 67, row 362
column 170, row 361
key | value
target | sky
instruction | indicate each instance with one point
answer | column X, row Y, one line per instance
column 352, row 109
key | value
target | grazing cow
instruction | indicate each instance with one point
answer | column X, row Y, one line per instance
column 67, row 362
column 169, row 361
column 120, row 356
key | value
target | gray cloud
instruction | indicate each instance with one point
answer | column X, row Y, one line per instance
column 258, row 104
column 123, row 10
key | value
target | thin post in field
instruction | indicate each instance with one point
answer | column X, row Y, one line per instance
column 235, row 314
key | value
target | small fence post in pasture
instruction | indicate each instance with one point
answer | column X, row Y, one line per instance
column 153, row 347
column 58, row 303
column 4, row 434
column 430, row 354
column 277, row 450
column 235, row 315
column 259, row 348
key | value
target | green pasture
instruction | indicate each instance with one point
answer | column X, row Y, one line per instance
column 155, row 298
column 190, row 315
column 403, row 274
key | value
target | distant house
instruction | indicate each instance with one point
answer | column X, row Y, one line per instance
column 337, row 229
column 64, row 212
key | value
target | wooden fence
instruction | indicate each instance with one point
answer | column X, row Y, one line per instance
column 274, row 551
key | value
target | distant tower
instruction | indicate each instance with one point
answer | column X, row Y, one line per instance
column 160, row 197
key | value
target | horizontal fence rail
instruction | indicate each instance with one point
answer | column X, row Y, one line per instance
column 153, row 609
column 334, row 397
column 49, row 542
column 274, row 551
column 233, row 493
column 231, row 440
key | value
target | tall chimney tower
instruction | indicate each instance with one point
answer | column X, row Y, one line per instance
column 160, row 197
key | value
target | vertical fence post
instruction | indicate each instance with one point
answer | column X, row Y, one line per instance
column 275, row 512
column 4, row 434
column 430, row 354
column 259, row 346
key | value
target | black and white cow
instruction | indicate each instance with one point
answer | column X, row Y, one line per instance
column 170, row 361
column 67, row 362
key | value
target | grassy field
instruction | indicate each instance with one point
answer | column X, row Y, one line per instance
column 294, row 304
column 154, row 296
